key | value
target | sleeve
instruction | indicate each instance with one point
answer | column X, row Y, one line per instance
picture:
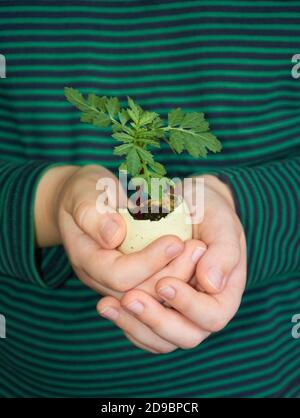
column 19, row 260
column 267, row 199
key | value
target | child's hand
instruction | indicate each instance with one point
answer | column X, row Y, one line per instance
column 194, row 314
column 90, row 238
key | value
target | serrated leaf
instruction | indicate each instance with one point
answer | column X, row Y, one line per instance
column 210, row 141
column 121, row 136
column 116, row 126
column 133, row 162
column 101, row 103
column 192, row 147
column 128, row 130
column 176, row 141
column 123, row 116
column 75, row 98
column 147, row 117
column 101, row 119
column 153, row 134
column 134, row 110
column 157, row 123
column 86, row 118
column 175, row 117
column 155, row 144
column 122, row 149
column 92, row 99
column 145, row 155
column 133, row 116
column 138, row 129
column 201, row 127
column 198, row 144
column 158, row 168
column 113, row 106
column 192, row 120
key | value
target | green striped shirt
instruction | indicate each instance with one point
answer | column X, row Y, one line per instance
column 231, row 59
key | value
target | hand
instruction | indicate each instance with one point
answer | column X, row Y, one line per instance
column 221, row 271
column 222, row 232
column 66, row 213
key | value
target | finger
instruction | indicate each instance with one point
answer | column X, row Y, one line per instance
column 138, row 344
column 111, row 309
column 194, row 283
column 106, row 227
column 96, row 285
column 93, row 203
column 113, row 269
column 221, row 232
column 124, row 272
column 210, row 312
column 165, row 322
column 183, row 267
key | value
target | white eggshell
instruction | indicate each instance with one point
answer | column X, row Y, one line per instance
column 140, row 233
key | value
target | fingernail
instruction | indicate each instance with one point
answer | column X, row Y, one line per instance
column 136, row 307
column 110, row 313
column 197, row 254
column 167, row 292
column 109, row 230
column 215, row 277
column 173, row 250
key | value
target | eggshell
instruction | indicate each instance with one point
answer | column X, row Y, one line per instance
column 141, row 233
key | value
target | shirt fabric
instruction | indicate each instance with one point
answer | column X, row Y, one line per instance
column 230, row 59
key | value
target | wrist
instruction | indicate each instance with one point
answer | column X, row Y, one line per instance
column 46, row 204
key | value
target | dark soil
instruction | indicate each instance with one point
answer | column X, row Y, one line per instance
column 154, row 213
column 154, row 210
column 150, row 211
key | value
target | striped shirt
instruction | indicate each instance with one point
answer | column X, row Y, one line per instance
column 231, row 59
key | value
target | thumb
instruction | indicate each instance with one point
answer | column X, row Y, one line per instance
column 106, row 227
column 216, row 265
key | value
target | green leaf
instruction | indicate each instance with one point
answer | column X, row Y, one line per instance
column 155, row 144
column 113, row 106
column 134, row 110
column 157, row 123
column 75, row 98
column 158, row 168
column 100, row 103
column 101, row 119
column 197, row 144
column 133, row 162
column 138, row 129
column 86, row 117
column 175, row 117
column 192, row 120
column 147, row 117
column 145, row 134
column 193, row 146
column 176, row 141
column 121, row 136
column 92, row 100
column 145, row 155
column 123, row 149
column 210, row 141
column 133, row 116
column 123, row 116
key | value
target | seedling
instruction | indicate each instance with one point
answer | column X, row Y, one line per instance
column 139, row 132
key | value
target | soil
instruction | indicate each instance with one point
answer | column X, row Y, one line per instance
column 154, row 212
column 143, row 216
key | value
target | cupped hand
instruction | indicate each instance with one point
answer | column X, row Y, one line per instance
column 193, row 311
column 91, row 238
